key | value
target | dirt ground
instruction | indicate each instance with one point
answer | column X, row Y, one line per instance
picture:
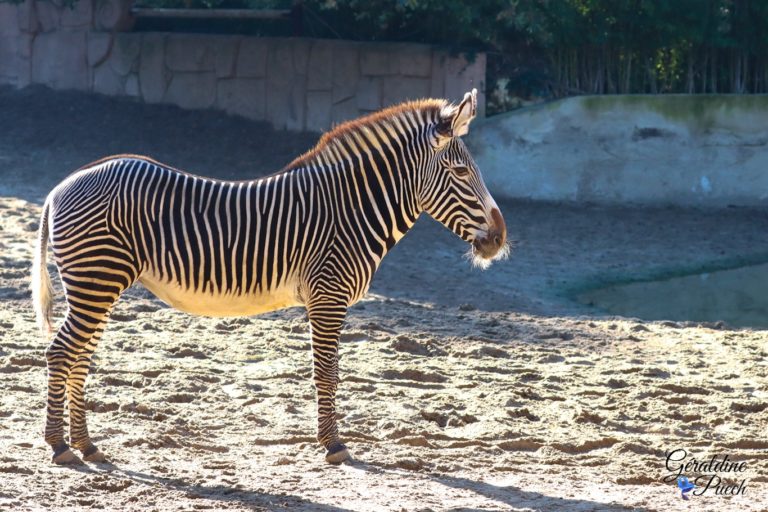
column 461, row 389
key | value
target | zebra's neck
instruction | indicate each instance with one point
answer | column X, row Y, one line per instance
column 375, row 187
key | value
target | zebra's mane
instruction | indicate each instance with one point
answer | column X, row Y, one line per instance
column 426, row 109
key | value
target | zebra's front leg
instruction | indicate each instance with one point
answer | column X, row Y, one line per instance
column 326, row 320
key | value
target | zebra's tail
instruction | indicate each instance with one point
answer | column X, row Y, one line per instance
column 42, row 290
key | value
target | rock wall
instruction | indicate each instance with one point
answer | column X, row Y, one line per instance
column 703, row 150
column 294, row 83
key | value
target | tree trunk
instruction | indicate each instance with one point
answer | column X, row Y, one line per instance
column 628, row 76
column 610, row 86
column 745, row 72
column 690, row 86
column 651, row 69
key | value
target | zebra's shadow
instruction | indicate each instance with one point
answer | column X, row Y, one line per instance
column 256, row 500
column 508, row 495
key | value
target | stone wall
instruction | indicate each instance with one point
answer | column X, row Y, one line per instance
column 294, row 83
column 703, row 150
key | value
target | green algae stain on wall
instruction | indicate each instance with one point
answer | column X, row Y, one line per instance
column 705, row 111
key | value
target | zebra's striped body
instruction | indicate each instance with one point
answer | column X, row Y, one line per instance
column 310, row 235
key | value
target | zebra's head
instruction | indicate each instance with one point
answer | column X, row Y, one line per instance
column 453, row 191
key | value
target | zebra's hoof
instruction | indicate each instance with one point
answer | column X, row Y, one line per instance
column 337, row 454
column 93, row 454
column 67, row 457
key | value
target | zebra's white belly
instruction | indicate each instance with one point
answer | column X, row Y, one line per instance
column 220, row 305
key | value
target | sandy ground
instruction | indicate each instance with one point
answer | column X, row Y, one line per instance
column 461, row 389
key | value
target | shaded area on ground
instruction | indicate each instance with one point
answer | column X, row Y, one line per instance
column 560, row 249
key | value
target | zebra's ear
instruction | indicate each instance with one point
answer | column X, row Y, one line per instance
column 455, row 119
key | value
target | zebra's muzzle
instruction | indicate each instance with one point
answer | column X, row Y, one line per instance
column 489, row 245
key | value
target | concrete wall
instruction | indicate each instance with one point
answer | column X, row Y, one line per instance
column 671, row 149
column 294, row 83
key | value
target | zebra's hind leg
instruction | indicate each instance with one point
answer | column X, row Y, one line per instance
column 69, row 359
column 78, row 429
column 326, row 320
column 60, row 357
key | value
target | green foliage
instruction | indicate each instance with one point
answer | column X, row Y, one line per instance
column 452, row 22
column 559, row 47
column 631, row 46
column 589, row 46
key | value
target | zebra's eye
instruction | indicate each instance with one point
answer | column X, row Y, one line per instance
column 461, row 171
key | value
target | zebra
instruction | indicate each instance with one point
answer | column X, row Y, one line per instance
column 310, row 235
